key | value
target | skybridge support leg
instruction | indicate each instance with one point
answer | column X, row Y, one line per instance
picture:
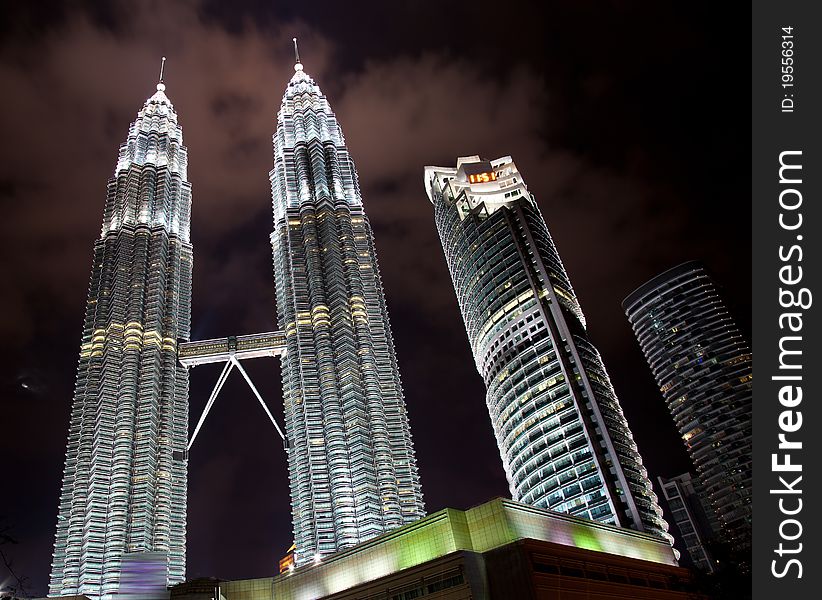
column 259, row 397
column 217, row 387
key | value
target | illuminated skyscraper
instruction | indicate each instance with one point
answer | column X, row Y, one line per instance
column 352, row 467
column 563, row 439
column 703, row 369
column 122, row 511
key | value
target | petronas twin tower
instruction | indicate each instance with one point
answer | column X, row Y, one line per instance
column 351, row 462
column 123, row 500
column 353, row 473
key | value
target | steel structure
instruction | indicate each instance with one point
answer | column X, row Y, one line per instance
column 702, row 366
column 561, row 433
column 123, row 498
column 231, row 350
column 352, row 468
column 218, row 350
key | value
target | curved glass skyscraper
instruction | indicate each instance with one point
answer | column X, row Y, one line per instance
column 122, row 507
column 351, row 461
column 563, row 439
column 703, row 369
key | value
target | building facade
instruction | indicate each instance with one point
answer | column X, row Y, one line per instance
column 702, row 366
column 692, row 519
column 562, row 436
column 123, row 499
column 352, row 468
column 497, row 550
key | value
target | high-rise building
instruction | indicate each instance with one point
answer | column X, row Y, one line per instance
column 122, row 510
column 702, row 366
column 561, row 433
column 352, row 467
column 691, row 518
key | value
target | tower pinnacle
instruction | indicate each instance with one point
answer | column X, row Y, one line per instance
column 160, row 85
column 297, row 64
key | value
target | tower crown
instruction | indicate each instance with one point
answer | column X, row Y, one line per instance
column 305, row 118
column 155, row 140
column 159, row 100
column 155, row 137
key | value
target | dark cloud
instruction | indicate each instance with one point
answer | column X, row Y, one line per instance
column 602, row 105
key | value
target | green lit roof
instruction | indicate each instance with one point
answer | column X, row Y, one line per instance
column 479, row 529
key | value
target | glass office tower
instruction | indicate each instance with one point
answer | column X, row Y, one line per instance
column 352, row 467
column 563, row 439
column 702, row 366
column 122, row 512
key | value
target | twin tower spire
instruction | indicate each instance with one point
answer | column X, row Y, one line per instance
column 352, row 468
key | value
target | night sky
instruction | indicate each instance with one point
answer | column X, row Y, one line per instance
column 629, row 121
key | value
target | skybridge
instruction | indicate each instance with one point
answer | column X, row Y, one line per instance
column 256, row 345
column 231, row 350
